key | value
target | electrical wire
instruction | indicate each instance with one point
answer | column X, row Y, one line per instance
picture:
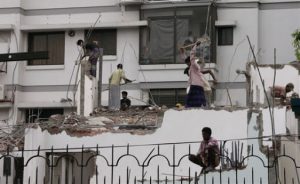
column 14, row 86
column 11, row 114
column 151, row 98
column 230, row 66
column 77, row 73
column 268, row 101
column 164, row 143
column 79, row 64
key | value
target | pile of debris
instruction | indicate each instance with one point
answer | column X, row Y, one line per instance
column 134, row 121
column 150, row 116
column 12, row 138
column 9, row 143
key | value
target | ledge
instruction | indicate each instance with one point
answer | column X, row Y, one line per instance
column 45, row 67
column 131, row 2
column 42, row 27
column 5, row 105
column 172, row 67
column 225, row 23
column 162, row 67
column 109, row 58
column 4, row 27
column 24, row 105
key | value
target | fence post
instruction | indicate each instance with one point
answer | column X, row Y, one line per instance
column 81, row 165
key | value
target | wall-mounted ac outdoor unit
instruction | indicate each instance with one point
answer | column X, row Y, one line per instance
column 131, row 2
column 2, row 95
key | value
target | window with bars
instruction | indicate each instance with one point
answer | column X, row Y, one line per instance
column 168, row 97
column 41, row 114
column 53, row 42
column 105, row 38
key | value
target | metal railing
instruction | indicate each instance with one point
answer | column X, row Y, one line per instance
column 82, row 166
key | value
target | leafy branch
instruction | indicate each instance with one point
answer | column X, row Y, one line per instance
column 296, row 43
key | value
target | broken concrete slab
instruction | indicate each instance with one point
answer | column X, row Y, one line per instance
column 96, row 121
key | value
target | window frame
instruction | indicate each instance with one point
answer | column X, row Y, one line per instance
column 32, row 114
column 177, row 93
column 227, row 41
column 174, row 13
column 114, row 52
column 49, row 62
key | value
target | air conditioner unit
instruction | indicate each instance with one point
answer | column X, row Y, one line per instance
column 131, row 2
column 2, row 92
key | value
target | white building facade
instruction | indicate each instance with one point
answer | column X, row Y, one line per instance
column 144, row 37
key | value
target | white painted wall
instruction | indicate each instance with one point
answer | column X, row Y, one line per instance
column 48, row 4
column 127, row 54
column 10, row 3
column 234, row 126
column 290, row 147
column 275, row 29
column 283, row 76
column 233, row 57
column 264, row 31
column 61, row 75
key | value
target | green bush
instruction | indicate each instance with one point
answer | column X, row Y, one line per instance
column 296, row 43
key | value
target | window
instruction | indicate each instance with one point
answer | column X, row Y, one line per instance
column 168, row 97
column 106, row 39
column 53, row 42
column 225, row 36
column 169, row 29
column 41, row 114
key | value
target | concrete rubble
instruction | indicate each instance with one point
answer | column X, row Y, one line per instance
column 134, row 121
column 12, row 137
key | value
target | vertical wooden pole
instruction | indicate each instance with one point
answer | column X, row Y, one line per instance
column 82, row 84
column 100, row 77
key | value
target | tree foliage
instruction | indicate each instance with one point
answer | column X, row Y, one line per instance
column 296, row 43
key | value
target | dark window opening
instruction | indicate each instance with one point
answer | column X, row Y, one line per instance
column 53, row 42
column 105, row 38
column 170, row 28
column 225, row 36
column 168, row 97
column 41, row 114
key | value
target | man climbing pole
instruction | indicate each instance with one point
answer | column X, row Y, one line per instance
column 92, row 50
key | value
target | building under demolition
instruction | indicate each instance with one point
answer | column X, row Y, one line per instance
column 55, row 127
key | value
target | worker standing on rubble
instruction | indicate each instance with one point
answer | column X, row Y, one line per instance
column 195, row 96
column 114, row 87
column 207, row 87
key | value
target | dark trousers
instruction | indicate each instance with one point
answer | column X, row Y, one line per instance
column 210, row 159
column 195, row 97
column 93, row 67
